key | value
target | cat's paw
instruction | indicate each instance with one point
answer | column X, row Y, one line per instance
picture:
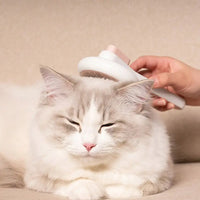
column 85, row 190
column 81, row 190
column 122, row 192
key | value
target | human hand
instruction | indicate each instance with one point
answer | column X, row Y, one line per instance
column 174, row 75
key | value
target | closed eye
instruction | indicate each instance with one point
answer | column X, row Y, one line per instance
column 73, row 122
column 105, row 126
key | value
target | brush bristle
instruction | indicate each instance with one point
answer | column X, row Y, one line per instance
column 96, row 74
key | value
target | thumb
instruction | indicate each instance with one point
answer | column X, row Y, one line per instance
column 175, row 80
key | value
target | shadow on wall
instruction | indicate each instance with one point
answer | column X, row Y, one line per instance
column 183, row 128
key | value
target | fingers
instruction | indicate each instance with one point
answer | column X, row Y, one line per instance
column 175, row 80
column 147, row 73
column 162, row 105
column 167, row 73
column 150, row 62
column 159, row 102
column 161, row 80
column 158, row 69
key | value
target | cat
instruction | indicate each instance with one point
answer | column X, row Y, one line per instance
column 83, row 138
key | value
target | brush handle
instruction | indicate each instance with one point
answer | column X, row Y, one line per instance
column 175, row 99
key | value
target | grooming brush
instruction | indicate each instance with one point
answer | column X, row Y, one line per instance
column 113, row 64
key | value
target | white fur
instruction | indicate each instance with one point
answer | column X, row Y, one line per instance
column 69, row 169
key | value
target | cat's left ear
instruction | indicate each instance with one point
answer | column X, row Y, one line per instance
column 57, row 85
column 135, row 93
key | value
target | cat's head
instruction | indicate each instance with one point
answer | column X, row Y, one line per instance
column 93, row 119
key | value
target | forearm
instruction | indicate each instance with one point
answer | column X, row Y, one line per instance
column 194, row 88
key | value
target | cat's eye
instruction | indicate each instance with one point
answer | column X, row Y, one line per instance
column 73, row 122
column 105, row 126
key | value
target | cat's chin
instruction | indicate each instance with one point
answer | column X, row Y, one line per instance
column 90, row 160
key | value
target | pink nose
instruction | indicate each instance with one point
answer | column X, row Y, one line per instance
column 89, row 146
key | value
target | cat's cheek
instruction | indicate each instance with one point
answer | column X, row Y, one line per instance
column 106, row 144
column 105, row 138
column 73, row 145
column 117, row 135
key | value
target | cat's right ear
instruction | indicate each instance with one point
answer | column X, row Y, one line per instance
column 135, row 94
column 57, row 85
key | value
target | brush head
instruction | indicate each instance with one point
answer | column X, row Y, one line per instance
column 108, row 65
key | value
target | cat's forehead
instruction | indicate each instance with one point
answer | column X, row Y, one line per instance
column 94, row 90
column 94, row 84
column 92, row 94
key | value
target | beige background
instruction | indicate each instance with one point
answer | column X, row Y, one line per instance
column 59, row 33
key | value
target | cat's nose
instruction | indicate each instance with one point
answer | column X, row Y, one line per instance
column 89, row 146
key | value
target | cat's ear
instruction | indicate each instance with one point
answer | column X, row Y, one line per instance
column 57, row 85
column 135, row 93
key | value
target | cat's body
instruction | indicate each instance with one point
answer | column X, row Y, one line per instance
column 87, row 139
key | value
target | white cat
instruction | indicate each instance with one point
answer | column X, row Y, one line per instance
column 83, row 138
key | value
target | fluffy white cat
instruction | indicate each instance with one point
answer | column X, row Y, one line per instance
column 83, row 138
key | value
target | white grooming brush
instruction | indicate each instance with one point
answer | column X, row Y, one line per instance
column 114, row 65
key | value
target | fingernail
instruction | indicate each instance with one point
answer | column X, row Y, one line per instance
column 156, row 83
column 161, row 102
column 170, row 106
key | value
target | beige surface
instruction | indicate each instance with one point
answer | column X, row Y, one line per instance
column 186, row 187
column 60, row 33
